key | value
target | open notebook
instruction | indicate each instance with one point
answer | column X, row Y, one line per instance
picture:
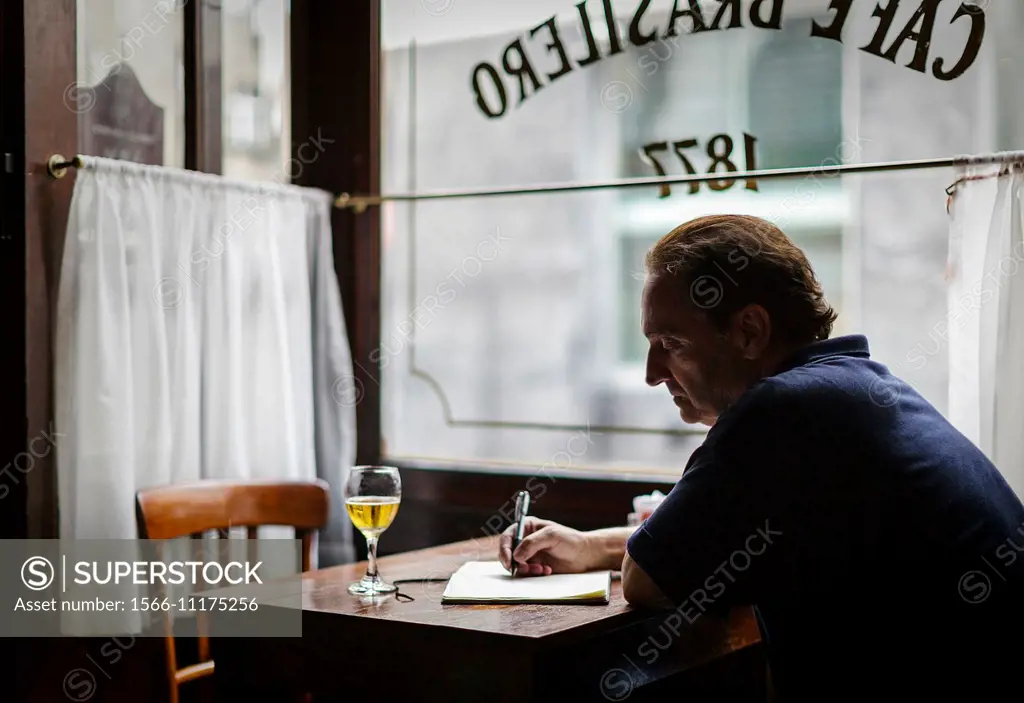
column 489, row 582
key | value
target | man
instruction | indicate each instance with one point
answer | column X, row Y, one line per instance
column 881, row 550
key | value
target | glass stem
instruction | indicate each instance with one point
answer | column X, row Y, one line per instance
column 371, row 551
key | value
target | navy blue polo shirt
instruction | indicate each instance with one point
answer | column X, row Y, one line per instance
column 882, row 551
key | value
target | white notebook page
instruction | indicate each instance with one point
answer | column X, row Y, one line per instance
column 489, row 581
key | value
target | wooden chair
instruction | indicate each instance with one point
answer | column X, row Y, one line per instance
column 171, row 512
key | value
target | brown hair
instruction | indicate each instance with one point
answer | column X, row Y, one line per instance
column 729, row 261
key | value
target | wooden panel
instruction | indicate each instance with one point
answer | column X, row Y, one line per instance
column 51, row 126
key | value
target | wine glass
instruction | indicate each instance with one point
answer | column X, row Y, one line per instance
column 372, row 497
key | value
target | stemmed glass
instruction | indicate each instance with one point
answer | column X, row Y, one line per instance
column 372, row 497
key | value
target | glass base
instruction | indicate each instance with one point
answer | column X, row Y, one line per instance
column 368, row 586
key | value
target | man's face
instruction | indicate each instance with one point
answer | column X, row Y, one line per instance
column 702, row 369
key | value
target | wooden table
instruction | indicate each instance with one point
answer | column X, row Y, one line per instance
column 389, row 650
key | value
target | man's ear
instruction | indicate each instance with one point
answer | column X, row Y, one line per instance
column 752, row 330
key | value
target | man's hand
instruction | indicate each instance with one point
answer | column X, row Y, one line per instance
column 551, row 548
column 547, row 548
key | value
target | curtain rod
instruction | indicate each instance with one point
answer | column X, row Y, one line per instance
column 360, row 203
column 58, row 165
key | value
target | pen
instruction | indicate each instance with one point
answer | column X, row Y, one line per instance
column 522, row 508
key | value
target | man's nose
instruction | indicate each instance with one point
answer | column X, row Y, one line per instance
column 656, row 371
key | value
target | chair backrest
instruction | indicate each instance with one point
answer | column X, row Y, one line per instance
column 169, row 512
column 193, row 509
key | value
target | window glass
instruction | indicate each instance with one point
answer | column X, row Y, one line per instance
column 256, row 107
column 130, row 92
column 512, row 321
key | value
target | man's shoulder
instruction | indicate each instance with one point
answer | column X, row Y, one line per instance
column 808, row 390
column 820, row 403
column 837, row 383
column 835, row 378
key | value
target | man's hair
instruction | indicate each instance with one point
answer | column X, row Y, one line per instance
column 727, row 262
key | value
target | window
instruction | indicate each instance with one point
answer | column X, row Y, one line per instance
column 796, row 99
column 510, row 323
column 130, row 93
column 792, row 93
column 256, row 89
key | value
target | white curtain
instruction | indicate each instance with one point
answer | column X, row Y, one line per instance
column 986, row 315
column 199, row 335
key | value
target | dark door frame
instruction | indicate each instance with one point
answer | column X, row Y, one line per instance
column 38, row 85
column 336, row 100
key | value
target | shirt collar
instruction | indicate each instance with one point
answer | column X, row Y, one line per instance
column 855, row 345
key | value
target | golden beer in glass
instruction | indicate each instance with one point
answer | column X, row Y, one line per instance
column 372, row 497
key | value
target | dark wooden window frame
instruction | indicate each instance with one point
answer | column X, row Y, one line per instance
column 203, row 65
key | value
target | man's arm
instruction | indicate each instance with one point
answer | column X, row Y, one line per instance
column 638, row 589
column 609, row 546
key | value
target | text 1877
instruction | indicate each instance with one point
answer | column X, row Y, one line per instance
column 719, row 151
